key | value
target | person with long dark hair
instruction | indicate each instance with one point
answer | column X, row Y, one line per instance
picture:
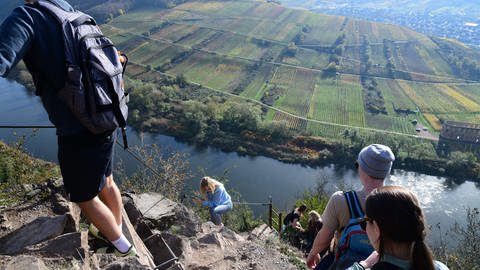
column 396, row 227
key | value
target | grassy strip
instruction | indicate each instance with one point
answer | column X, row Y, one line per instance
column 17, row 169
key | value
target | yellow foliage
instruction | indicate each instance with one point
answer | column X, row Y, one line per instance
column 466, row 102
column 413, row 96
column 434, row 121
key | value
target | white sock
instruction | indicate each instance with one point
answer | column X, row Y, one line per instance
column 120, row 227
column 122, row 244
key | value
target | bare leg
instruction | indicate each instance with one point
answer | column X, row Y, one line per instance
column 101, row 216
column 111, row 197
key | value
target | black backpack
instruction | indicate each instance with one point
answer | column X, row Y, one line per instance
column 94, row 87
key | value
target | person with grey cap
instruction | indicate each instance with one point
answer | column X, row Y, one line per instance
column 374, row 164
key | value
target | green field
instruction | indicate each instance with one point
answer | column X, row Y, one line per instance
column 245, row 48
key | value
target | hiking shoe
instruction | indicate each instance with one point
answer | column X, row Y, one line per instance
column 132, row 251
column 95, row 232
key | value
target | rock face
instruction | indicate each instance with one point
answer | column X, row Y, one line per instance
column 167, row 235
column 199, row 246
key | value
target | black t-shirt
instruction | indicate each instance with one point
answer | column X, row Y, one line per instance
column 290, row 217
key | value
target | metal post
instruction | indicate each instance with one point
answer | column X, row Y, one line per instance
column 270, row 212
column 280, row 222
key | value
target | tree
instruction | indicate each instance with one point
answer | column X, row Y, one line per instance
column 291, row 50
column 276, row 129
column 239, row 117
column 181, row 80
column 158, row 172
column 461, row 161
column 195, row 117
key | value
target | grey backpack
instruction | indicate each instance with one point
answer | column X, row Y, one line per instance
column 94, row 87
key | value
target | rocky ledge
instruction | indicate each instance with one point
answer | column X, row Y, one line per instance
column 48, row 232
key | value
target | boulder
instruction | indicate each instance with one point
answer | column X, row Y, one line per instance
column 73, row 245
column 39, row 230
column 156, row 208
column 130, row 263
column 156, row 211
column 23, row 262
column 261, row 232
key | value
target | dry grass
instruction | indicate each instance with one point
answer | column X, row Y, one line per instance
column 466, row 102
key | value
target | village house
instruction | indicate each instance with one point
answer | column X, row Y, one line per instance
column 459, row 136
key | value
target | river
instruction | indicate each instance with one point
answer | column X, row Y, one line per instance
column 256, row 178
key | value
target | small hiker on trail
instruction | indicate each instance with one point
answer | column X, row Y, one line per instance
column 292, row 230
column 314, row 226
column 292, row 219
column 216, row 198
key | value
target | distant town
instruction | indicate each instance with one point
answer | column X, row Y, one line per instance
column 462, row 28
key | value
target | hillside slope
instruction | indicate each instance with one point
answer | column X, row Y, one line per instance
column 100, row 9
column 318, row 73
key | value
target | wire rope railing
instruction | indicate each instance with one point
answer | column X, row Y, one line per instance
column 274, row 216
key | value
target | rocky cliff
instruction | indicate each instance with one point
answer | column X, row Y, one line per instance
column 48, row 232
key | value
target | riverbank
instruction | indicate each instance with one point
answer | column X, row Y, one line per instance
column 318, row 152
column 162, row 106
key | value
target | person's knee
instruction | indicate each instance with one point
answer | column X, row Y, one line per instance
column 86, row 204
column 109, row 184
column 109, row 181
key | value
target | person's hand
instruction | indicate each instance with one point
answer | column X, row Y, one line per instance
column 370, row 261
column 198, row 201
column 312, row 260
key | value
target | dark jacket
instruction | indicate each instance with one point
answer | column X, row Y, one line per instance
column 33, row 35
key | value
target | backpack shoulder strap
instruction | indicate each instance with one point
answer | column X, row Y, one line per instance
column 385, row 266
column 354, row 206
column 75, row 17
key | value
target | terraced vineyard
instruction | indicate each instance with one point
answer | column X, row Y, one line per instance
column 295, row 62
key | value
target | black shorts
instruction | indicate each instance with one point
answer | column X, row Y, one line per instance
column 85, row 161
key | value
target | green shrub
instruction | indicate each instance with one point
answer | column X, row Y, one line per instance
column 18, row 168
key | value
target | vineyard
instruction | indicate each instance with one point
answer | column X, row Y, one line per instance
column 290, row 60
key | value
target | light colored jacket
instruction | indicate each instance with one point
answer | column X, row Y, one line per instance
column 218, row 197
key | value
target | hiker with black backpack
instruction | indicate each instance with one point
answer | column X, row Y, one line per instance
column 374, row 163
column 77, row 72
